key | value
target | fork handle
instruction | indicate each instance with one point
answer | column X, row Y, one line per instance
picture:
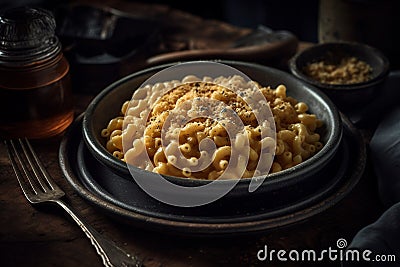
column 110, row 253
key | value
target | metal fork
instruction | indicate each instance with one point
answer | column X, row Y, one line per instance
column 38, row 187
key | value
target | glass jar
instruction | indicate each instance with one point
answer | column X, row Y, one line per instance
column 35, row 87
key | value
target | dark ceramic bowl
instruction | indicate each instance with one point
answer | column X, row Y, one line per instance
column 106, row 106
column 345, row 96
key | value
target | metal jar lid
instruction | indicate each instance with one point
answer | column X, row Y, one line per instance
column 27, row 35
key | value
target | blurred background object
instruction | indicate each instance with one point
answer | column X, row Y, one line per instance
column 298, row 17
column 103, row 43
column 47, row 4
column 107, row 40
column 373, row 22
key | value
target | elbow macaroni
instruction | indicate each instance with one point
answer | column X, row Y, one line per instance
column 296, row 137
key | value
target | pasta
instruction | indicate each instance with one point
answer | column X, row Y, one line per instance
column 202, row 146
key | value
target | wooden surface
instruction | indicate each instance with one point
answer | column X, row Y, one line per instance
column 45, row 236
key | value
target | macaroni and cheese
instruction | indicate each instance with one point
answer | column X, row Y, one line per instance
column 169, row 122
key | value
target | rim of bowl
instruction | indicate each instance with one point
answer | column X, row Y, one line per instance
column 284, row 176
column 376, row 53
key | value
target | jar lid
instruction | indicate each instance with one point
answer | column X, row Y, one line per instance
column 26, row 35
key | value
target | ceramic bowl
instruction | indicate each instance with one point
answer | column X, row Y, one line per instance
column 345, row 96
column 106, row 105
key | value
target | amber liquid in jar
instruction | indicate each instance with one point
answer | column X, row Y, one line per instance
column 35, row 101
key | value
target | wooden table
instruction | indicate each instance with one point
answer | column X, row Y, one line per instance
column 45, row 236
column 32, row 236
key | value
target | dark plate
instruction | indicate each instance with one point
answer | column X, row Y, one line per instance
column 106, row 105
column 123, row 199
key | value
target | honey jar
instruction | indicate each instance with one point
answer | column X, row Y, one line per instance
column 35, row 87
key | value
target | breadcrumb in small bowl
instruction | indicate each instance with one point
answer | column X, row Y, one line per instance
column 349, row 73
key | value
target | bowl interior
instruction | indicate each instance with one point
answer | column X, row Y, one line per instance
column 107, row 104
column 333, row 53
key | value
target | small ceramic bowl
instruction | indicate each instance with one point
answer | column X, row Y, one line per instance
column 345, row 96
column 106, row 106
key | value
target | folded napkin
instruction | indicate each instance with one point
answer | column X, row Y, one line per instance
column 385, row 154
column 383, row 236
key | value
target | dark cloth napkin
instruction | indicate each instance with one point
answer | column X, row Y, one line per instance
column 383, row 236
column 385, row 154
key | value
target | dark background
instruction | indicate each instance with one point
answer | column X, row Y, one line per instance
column 375, row 22
column 301, row 18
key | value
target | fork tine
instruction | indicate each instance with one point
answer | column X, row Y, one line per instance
column 110, row 253
column 18, row 164
column 35, row 171
column 43, row 172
